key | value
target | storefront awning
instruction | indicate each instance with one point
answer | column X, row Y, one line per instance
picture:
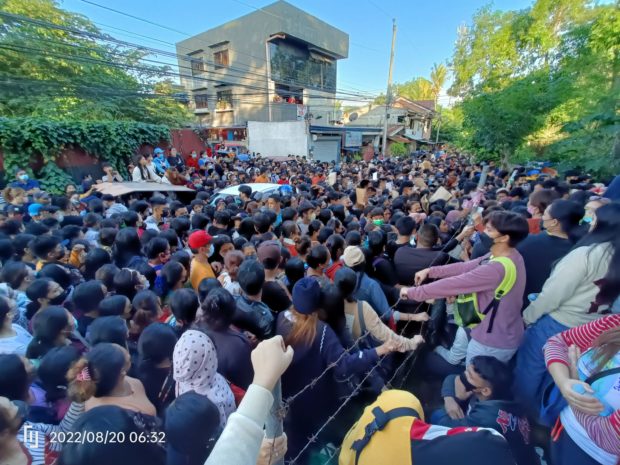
column 402, row 139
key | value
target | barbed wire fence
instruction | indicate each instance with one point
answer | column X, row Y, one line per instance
column 286, row 403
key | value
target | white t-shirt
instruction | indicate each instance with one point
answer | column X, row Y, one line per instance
column 16, row 344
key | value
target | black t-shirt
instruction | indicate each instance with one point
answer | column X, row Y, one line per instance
column 159, row 385
column 392, row 247
column 540, row 252
column 408, row 261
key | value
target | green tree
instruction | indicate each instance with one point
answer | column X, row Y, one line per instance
column 541, row 83
column 59, row 65
column 398, row 149
column 439, row 74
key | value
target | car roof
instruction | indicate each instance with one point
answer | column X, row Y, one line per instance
column 256, row 187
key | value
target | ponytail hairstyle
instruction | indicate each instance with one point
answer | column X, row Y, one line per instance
column 147, row 309
column 346, row 282
column 38, row 289
column 52, row 371
column 98, row 373
column 569, row 215
column 48, row 326
column 304, row 329
column 156, row 344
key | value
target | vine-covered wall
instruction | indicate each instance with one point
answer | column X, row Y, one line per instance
column 24, row 140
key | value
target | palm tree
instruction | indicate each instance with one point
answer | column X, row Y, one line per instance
column 438, row 78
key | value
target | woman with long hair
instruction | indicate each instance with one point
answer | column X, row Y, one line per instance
column 52, row 328
column 316, row 347
column 581, row 286
column 560, row 223
column 100, row 378
column 583, row 363
column 127, row 248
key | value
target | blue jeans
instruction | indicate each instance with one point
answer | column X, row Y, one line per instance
column 564, row 451
column 530, row 373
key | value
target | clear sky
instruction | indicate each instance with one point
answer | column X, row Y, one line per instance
column 426, row 29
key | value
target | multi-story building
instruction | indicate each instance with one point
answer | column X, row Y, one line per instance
column 276, row 64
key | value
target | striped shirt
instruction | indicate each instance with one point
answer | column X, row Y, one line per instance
column 35, row 435
column 604, row 432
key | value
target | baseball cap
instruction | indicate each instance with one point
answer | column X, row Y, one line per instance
column 158, row 151
column 353, row 256
column 199, row 239
column 34, row 209
column 269, row 250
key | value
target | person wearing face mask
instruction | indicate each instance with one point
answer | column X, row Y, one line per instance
column 24, row 182
column 560, row 223
column 481, row 396
column 571, row 296
column 192, row 160
column 200, row 244
column 536, row 206
column 500, row 332
column 159, row 161
column 160, row 212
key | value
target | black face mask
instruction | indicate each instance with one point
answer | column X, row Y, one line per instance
column 468, row 386
column 165, row 213
column 59, row 299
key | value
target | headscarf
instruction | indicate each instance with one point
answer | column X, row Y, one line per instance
column 195, row 369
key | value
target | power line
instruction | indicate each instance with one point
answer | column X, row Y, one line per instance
column 152, row 50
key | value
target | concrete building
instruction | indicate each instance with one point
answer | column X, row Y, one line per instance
column 409, row 121
column 277, row 64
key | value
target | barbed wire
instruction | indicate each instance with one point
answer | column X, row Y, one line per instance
column 287, row 402
column 357, row 388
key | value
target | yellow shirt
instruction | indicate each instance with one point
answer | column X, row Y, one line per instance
column 198, row 272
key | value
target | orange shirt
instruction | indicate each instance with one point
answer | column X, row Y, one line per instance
column 261, row 178
column 198, row 272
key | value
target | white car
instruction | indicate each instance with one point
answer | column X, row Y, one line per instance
column 233, row 191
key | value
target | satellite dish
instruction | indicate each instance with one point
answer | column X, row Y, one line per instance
column 353, row 116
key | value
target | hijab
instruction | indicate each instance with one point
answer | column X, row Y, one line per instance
column 195, row 369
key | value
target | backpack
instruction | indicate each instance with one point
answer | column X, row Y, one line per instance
column 466, row 311
column 392, row 430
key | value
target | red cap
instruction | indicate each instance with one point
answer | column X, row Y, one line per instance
column 199, row 239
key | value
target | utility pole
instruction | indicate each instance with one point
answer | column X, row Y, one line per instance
column 388, row 97
column 438, row 129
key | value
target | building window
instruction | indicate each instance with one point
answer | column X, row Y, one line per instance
column 220, row 59
column 198, row 66
column 224, row 100
column 201, row 102
column 401, row 119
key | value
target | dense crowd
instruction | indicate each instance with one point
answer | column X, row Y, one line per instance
column 154, row 328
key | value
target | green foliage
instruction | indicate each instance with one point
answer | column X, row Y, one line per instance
column 53, row 179
column 398, row 149
column 541, row 83
column 58, row 65
column 24, row 140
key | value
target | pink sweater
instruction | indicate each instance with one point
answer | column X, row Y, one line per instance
column 472, row 276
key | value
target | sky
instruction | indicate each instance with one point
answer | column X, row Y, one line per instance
column 426, row 32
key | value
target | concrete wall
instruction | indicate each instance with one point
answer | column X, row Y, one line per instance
column 247, row 72
column 278, row 139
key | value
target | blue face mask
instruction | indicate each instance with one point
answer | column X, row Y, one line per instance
column 211, row 250
column 23, row 177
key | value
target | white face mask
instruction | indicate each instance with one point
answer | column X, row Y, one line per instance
column 211, row 250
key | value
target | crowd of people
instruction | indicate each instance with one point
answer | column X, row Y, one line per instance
column 154, row 329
